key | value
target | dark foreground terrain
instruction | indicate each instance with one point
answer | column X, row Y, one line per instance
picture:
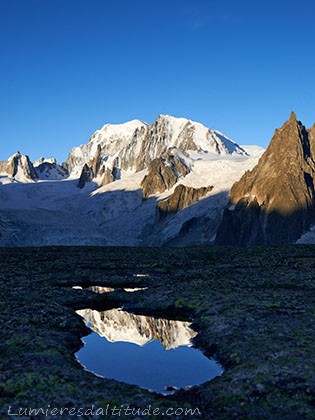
column 254, row 310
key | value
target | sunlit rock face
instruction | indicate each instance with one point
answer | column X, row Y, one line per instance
column 275, row 202
column 163, row 173
column 116, row 325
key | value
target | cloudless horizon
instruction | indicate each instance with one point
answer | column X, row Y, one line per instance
column 70, row 66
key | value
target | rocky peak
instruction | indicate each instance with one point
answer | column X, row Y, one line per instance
column 42, row 159
column 274, row 203
column 293, row 116
column 19, row 167
column 50, row 169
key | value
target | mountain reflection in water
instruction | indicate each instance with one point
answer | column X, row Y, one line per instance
column 102, row 289
column 116, row 325
column 153, row 353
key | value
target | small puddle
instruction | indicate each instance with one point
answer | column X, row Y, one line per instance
column 102, row 289
column 153, row 353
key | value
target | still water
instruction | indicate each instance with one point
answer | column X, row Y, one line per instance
column 153, row 353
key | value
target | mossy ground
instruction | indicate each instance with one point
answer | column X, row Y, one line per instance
column 254, row 310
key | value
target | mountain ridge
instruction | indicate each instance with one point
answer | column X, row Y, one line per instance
column 132, row 146
column 121, row 187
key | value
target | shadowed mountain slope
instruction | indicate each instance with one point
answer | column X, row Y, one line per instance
column 275, row 202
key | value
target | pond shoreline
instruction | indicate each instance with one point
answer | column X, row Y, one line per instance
column 253, row 309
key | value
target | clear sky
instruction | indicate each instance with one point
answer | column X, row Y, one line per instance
column 70, row 66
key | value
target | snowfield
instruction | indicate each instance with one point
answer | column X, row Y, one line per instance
column 57, row 212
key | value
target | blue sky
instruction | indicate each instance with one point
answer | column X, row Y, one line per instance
column 70, row 66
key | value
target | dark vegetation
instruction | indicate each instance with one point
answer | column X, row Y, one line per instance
column 254, row 310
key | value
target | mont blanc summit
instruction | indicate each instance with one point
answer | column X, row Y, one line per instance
column 115, row 150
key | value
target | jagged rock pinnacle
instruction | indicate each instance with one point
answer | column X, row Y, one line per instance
column 274, row 203
column 293, row 116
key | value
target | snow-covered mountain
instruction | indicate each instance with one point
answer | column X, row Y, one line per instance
column 49, row 169
column 118, row 150
column 140, row 184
